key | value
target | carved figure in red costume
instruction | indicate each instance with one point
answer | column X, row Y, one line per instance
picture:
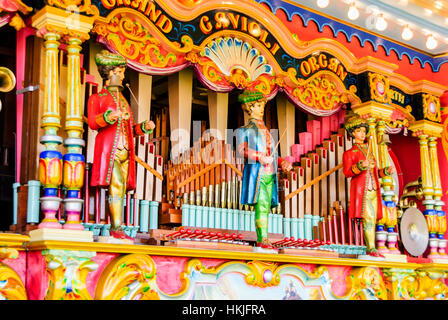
column 365, row 189
column 114, row 155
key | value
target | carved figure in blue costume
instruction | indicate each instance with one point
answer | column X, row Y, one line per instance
column 260, row 181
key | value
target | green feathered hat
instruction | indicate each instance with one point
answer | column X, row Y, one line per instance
column 353, row 121
column 250, row 96
column 107, row 58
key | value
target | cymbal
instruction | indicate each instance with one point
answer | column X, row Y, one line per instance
column 414, row 232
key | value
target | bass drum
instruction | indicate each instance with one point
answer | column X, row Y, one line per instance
column 414, row 233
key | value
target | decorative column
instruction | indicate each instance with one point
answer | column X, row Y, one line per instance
column 52, row 24
column 381, row 234
column 387, row 183
column 74, row 161
column 428, row 193
column 426, row 132
column 50, row 160
column 440, row 215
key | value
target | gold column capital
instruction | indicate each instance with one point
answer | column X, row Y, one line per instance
column 373, row 109
column 66, row 23
column 427, row 128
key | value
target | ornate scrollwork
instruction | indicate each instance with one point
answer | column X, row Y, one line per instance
column 130, row 277
column 366, row 283
column 11, row 286
column 134, row 40
column 68, row 271
column 416, row 284
column 262, row 274
column 379, row 88
column 431, row 107
column 319, row 91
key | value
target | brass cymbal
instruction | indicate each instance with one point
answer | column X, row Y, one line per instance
column 414, row 232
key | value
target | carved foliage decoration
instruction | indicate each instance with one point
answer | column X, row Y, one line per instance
column 11, row 286
column 68, row 271
column 406, row 284
column 322, row 91
column 366, row 283
column 129, row 277
column 133, row 38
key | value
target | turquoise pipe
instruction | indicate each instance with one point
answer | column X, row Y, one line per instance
column 144, row 215
column 308, row 227
column 295, row 229
column 211, row 217
column 15, row 186
column 33, row 206
column 223, row 218
column 198, row 220
column 185, row 214
column 218, row 224
column 287, row 227
column 230, row 219
column 301, row 227
column 205, row 215
column 235, row 219
column 192, row 216
column 154, row 215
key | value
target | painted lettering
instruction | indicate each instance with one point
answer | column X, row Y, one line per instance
column 234, row 20
column 341, row 73
column 165, row 24
column 152, row 13
column 263, row 37
column 205, row 25
column 244, row 24
column 221, row 20
column 305, row 68
column 140, row 5
column 333, row 66
column 313, row 64
column 108, row 4
column 323, row 63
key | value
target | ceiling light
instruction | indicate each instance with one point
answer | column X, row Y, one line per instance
column 323, row 3
column 353, row 12
column 431, row 42
column 381, row 23
column 428, row 12
column 407, row 33
column 438, row 4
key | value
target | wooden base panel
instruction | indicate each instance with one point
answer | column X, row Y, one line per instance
column 208, row 245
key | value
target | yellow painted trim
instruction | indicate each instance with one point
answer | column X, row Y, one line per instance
column 212, row 254
column 428, row 127
column 13, row 240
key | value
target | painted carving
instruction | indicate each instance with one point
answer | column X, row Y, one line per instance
column 67, row 272
column 130, row 277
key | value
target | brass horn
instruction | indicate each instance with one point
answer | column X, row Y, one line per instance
column 416, row 192
column 7, row 80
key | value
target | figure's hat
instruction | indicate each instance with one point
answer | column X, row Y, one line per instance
column 107, row 58
column 353, row 121
column 249, row 96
